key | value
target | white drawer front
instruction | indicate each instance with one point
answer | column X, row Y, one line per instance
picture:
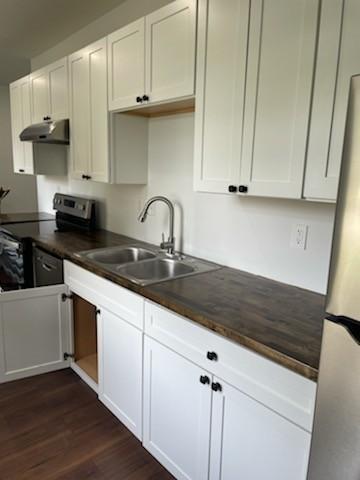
column 282, row 390
column 99, row 291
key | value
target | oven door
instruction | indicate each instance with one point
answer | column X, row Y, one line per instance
column 12, row 268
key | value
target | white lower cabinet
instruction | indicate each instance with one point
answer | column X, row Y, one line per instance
column 34, row 332
column 176, row 412
column 216, row 410
column 205, row 407
column 252, row 442
column 120, row 348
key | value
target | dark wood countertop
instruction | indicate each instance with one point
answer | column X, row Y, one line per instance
column 278, row 321
column 9, row 218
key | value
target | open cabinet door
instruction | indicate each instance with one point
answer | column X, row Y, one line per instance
column 34, row 331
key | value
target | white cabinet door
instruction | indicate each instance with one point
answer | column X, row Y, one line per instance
column 88, row 113
column 176, row 412
column 49, row 92
column 39, row 88
column 58, row 89
column 99, row 124
column 282, row 43
column 251, row 442
column 170, row 51
column 220, row 89
column 126, row 65
column 120, row 349
column 34, row 332
column 337, row 60
column 79, row 114
column 20, row 119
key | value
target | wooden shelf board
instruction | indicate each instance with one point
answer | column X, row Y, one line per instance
column 163, row 109
column 90, row 366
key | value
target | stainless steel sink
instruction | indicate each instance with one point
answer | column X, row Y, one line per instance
column 118, row 255
column 144, row 266
column 155, row 270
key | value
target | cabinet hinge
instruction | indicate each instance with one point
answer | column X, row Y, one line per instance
column 65, row 297
column 68, row 355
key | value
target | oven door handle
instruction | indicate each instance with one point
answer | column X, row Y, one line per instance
column 47, row 267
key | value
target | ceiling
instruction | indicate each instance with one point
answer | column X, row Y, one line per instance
column 29, row 27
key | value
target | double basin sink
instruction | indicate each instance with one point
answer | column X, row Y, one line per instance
column 145, row 266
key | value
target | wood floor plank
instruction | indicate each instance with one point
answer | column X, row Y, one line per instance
column 52, row 427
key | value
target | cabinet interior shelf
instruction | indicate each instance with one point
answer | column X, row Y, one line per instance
column 164, row 109
column 85, row 337
column 89, row 365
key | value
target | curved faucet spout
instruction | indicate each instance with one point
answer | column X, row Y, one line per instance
column 170, row 244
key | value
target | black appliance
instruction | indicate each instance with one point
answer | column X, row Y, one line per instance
column 48, row 269
column 16, row 250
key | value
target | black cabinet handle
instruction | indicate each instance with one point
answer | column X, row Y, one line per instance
column 212, row 356
column 243, row 189
column 21, row 170
column 47, row 118
column 86, row 177
column 216, row 387
column 145, row 98
column 205, row 380
column 139, row 99
column 232, row 189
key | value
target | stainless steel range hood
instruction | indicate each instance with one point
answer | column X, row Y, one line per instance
column 56, row 132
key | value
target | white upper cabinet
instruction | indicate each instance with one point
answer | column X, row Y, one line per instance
column 88, row 113
column 281, row 54
column 49, row 92
column 337, row 60
column 220, row 88
column 170, row 51
column 126, row 65
column 254, row 84
column 20, row 119
column 153, row 59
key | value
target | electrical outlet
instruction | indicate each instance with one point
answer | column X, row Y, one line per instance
column 299, row 236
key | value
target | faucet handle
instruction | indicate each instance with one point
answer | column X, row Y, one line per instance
column 162, row 244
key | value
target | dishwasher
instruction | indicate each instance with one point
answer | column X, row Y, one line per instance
column 48, row 269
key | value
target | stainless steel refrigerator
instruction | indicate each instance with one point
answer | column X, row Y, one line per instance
column 335, row 449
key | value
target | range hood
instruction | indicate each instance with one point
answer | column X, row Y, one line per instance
column 50, row 131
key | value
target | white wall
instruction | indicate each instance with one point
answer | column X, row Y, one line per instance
column 22, row 197
column 125, row 13
column 248, row 233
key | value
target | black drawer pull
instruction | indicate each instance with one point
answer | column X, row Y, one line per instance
column 216, row 387
column 212, row 356
column 205, row 380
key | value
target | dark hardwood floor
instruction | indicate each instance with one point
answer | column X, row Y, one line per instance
column 53, row 427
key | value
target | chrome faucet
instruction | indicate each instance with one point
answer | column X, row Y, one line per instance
column 168, row 245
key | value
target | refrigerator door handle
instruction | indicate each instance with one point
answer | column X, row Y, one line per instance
column 352, row 327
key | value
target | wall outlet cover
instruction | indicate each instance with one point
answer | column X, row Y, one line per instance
column 299, row 236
